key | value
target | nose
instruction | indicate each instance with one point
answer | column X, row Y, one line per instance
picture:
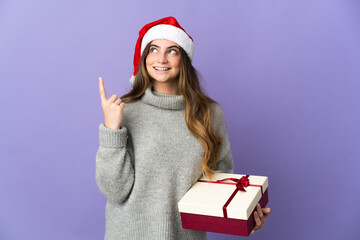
column 162, row 58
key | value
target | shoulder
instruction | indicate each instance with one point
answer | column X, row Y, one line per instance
column 132, row 106
column 216, row 109
column 132, row 111
column 217, row 116
column 217, row 112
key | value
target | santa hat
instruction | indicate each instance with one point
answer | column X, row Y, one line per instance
column 166, row 28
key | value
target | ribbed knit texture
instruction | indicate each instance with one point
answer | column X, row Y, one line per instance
column 147, row 166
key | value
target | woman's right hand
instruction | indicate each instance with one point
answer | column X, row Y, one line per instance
column 112, row 108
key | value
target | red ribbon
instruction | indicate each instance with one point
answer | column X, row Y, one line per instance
column 240, row 183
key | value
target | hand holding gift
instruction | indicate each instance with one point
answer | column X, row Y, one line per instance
column 260, row 215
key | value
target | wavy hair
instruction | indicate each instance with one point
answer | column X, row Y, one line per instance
column 197, row 107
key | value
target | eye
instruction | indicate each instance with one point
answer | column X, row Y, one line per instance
column 153, row 50
column 173, row 51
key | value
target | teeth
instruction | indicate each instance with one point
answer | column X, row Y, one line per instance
column 162, row 69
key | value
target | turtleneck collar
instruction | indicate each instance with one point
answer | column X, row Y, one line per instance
column 163, row 100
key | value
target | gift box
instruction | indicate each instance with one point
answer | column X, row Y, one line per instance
column 224, row 204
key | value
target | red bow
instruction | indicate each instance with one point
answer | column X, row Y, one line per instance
column 240, row 183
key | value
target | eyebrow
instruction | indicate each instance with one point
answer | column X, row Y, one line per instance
column 153, row 45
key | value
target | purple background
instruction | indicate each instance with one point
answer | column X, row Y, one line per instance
column 287, row 74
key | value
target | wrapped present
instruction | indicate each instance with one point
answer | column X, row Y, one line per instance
column 224, row 204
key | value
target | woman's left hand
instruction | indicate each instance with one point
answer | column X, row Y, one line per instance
column 260, row 215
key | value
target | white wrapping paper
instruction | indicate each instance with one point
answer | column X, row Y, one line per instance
column 209, row 198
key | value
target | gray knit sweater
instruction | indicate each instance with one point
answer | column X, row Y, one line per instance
column 147, row 166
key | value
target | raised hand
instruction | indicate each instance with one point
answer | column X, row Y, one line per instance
column 112, row 108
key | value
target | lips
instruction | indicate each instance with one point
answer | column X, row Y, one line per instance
column 162, row 69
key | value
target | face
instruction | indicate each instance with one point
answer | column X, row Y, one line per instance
column 163, row 61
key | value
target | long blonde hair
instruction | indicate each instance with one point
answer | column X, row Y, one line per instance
column 197, row 108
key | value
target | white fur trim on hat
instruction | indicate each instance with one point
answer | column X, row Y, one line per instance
column 172, row 33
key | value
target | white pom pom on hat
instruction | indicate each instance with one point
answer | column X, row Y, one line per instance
column 166, row 28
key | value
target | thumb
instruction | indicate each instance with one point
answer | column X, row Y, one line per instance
column 266, row 211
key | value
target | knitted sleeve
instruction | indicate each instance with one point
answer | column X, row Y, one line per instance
column 114, row 169
column 225, row 161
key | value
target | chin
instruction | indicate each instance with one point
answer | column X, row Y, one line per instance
column 163, row 79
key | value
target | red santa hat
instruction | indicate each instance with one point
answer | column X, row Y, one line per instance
column 166, row 28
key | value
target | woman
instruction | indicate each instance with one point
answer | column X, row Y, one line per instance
column 168, row 135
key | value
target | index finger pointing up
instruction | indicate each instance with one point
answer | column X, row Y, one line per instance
column 102, row 90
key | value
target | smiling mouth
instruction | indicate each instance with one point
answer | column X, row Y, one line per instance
column 162, row 68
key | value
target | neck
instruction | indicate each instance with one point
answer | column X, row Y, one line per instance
column 166, row 87
column 163, row 100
